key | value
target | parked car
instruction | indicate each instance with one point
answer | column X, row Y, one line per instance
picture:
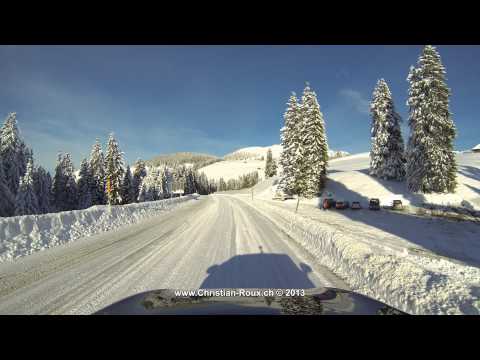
column 397, row 205
column 341, row 204
column 328, row 203
column 374, row 204
column 356, row 205
column 282, row 196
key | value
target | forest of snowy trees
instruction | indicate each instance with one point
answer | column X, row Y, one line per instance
column 428, row 163
column 27, row 189
column 242, row 182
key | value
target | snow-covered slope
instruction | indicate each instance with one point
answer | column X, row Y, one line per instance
column 247, row 160
column 349, row 180
column 259, row 152
column 24, row 235
column 254, row 153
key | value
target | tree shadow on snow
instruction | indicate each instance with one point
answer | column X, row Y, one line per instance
column 470, row 171
column 258, row 271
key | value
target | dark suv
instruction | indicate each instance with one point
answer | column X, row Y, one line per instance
column 374, row 204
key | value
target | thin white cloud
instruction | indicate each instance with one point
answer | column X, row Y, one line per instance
column 356, row 100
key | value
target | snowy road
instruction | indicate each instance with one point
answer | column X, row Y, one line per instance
column 216, row 241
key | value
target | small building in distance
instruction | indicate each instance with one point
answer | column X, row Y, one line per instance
column 476, row 149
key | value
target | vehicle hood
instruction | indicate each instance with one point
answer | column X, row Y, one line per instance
column 318, row 301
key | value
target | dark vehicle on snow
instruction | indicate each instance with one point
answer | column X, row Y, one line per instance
column 374, row 204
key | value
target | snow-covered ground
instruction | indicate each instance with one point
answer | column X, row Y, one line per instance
column 380, row 264
column 216, row 241
column 24, row 235
column 421, row 265
column 233, row 169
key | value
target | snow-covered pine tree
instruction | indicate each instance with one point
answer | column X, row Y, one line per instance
column 387, row 160
column 26, row 202
column 59, row 185
column 42, row 182
column 138, row 174
column 168, row 184
column 127, row 192
column 12, row 152
column 97, row 167
column 113, row 171
column 86, row 186
column 7, row 200
column 270, row 166
column 431, row 164
column 148, row 186
column 222, row 185
column 291, row 146
column 190, row 183
column 71, row 191
column 64, row 187
column 314, row 146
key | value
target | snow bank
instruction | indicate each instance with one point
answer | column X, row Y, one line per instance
column 24, row 235
column 412, row 283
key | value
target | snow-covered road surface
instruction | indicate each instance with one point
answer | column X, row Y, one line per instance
column 216, row 241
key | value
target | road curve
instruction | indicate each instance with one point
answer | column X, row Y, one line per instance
column 216, row 241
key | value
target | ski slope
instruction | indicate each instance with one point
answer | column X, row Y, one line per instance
column 213, row 242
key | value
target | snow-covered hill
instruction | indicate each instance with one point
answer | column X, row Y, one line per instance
column 247, row 160
column 260, row 153
column 349, row 180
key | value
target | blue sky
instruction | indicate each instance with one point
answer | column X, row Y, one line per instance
column 210, row 99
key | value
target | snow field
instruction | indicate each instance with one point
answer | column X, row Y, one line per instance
column 412, row 283
column 24, row 235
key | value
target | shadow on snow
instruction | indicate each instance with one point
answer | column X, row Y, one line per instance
column 258, row 271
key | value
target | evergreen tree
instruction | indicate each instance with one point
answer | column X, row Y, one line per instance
column 270, row 165
column 26, row 202
column 149, row 186
column 59, row 185
column 13, row 153
column 97, row 167
column 113, row 171
column 138, row 174
column 314, row 146
column 222, row 185
column 71, row 192
column 290, row 156
column 387, row 159
column 42, row 182
column 7, row 200
column 431, row 165
column 86, row 186
column 64, row 187
column 127, row 192
column 167, row 181
column 188, row 189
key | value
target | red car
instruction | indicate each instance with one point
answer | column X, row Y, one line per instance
column 328, row 203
